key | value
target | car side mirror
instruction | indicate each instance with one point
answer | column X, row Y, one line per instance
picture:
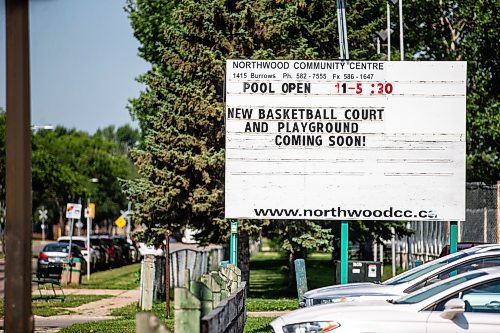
column 453, row 307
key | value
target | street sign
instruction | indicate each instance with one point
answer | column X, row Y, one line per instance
column 42, row 215
column 73, row 211
column 345, row 140
column 120, row 222
column 90, row 211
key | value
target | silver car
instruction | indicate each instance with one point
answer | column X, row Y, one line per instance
column 481, row 256
column 468, row 302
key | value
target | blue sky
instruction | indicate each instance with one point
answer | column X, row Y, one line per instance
column 83, row 63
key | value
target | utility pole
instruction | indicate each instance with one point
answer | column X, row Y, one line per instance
column 18, row 316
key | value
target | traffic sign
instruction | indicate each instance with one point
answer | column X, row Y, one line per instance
column 120, row 222
column 90, row 211
column 42, row 214
column 73, row 211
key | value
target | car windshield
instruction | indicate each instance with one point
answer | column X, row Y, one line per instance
column 416, row 272
column 57, row 247
column 432, row 290
column 78, row 242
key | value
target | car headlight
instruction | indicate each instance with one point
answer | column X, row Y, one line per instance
column 319, row 301
column 311, row 327
column 338, row 300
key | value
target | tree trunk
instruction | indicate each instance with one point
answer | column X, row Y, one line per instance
column 244, row 255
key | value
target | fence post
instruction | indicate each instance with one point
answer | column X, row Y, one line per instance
column 221, row 281
column 204, row 295
column 300, row 277
column 148, row 323
column 234, row 274
column 213, row 284
column 187, row 311
column 147, row 284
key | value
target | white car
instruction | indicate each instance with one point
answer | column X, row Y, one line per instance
column 468, row 302
column 81, row 241
column 481, row 256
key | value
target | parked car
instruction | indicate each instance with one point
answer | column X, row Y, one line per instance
column 134, row 252
column 81, row 241
column 460, row 246
column 53, row 255
column 468, row 302
column 121, row 241
column 473, row 258
column 101, row 250
column 114, row 252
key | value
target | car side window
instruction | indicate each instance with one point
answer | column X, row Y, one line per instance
column 440, row 306
column 483, row 298
column 466, row 267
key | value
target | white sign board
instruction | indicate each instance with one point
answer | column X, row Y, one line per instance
column 73, row 211
column 339, row 140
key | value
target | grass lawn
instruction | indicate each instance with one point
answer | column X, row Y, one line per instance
column 269, row 291
column 126, row 278
column 269, row 274
column 55, row 307
column 125, row 323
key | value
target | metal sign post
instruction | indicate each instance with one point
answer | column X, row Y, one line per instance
column 129, row 219
column 70, row 262
column 453, row 236
column 344, row 234
column 88, row 215
column 233, row 245
column 42, row 214
column 344, row 252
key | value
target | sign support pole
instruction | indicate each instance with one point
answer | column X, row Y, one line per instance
column 233, row 244
column 70, row 261
column 453, row 236
column 89, row 225
column 344, row 252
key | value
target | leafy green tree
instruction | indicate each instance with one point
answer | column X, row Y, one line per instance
column 181, row 158
column 64, row 162
column 465, row 30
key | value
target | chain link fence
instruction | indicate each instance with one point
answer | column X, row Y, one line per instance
column 481, row 220
column 481, row 225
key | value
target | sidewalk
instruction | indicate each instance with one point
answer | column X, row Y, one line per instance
column 94, row 311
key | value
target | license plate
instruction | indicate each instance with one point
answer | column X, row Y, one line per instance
column 55, row 260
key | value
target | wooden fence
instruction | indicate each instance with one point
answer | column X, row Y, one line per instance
column 198, row 261
column 214, row 304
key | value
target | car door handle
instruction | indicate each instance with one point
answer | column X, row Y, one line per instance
column 493, row 304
